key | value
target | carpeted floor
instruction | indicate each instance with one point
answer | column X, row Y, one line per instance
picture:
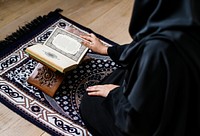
column 58, row 115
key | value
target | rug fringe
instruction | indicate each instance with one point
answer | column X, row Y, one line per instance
column 22, row 31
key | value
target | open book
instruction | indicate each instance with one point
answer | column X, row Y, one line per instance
column 62, row 51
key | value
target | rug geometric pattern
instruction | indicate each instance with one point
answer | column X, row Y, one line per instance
column 58, row 115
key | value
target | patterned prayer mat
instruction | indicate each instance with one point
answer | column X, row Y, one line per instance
column 58, row 115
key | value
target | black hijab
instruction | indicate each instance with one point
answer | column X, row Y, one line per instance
column 159, row 15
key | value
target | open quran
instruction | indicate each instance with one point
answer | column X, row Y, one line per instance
column 62, row 50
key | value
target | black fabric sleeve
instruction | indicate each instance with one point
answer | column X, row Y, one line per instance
column 115, row 52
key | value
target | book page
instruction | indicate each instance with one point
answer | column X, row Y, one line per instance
column 66, row 43
column 60, row 41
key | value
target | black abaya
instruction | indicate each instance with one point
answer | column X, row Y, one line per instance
column 159, row 94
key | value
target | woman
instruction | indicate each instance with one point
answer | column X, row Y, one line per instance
column 157, row 90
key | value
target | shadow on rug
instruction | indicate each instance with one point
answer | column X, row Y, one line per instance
column 58, row 115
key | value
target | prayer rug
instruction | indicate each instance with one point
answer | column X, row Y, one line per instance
column 58, row 115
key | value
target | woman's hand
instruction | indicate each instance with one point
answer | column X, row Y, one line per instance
column 101, row 90
column 93, row 43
